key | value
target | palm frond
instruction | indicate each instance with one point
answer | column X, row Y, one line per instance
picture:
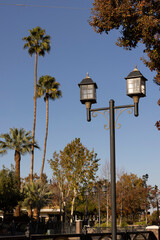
column 37, row 41
column 17, row 139
column 49, row 87
column 3, row 151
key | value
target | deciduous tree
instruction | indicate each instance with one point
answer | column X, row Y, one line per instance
column 131, row 196
column 74, row 167
column 137, row 20
column 9, row 191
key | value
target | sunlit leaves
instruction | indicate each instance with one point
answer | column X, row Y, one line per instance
column 74, row 167
column 49, row 87
column 138, row 21
column 37, row 42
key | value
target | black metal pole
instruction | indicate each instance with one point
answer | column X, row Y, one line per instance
column 113, row 170
column 136, row 110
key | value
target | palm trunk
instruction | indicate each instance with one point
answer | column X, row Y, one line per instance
column 30, row 211
column 45, row 142
column 34, row 120
column 17, row 158
column 36, row 213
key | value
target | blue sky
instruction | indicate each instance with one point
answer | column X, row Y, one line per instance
column 76, row 50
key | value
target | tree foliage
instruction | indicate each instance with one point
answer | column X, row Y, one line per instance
column 37, row 195
column 9, row 191
column 137, row 20
column 37, row 42
column 73, row 168
column 131, row 195
column 18, row 140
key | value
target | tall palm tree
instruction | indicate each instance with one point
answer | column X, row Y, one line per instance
column 37, row 43
column 21, row 142
column 49, row 88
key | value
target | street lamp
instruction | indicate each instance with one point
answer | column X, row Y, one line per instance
column 97, row 190
column 88, row 94
column 135, row 88
column 94, row 191
column 86, row 193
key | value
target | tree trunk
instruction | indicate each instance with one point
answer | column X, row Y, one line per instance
column 17, row 158
column 72, row 205
column 17, row 211
column 45, row 142
column 36, row 213
column 34, row 119
column 30, row 211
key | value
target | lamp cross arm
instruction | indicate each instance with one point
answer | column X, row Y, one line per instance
column 114, row 108
column 107, row 108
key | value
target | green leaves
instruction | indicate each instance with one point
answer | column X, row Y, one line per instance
column 9, row 191
column 37, row 194
column 48, row 86
column 37, row 42
column 17, row 139
column 74, row 167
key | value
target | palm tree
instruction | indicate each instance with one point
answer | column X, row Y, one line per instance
column 21, row 142
column 49, row 88
column 28, row 195
column 37, row 43
column 37, row 196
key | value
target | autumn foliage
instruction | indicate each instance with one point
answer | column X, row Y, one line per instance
column 137, row 20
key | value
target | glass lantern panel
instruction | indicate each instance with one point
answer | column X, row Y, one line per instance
column 143, row 90
column 88, row 92
column 133, row 85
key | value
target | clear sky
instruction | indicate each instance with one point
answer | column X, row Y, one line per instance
column 76, row 50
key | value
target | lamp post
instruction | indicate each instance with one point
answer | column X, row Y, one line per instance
column 105, row 189
column 135, row 89
column 86, row 193
column 94, row 191
column 97, row 190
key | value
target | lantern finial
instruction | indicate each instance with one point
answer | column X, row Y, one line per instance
column 135, row 69
column 87, row 75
